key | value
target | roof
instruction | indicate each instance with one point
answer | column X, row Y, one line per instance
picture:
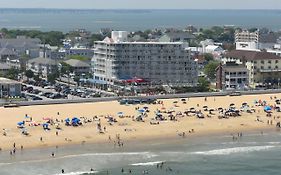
column 212, row 47
column 76, row 63
column 180, row 35
column 8, row 81
column 19, row 42
column 5, row 51
column 4, row 66
column 41, row 60
column 251, row 55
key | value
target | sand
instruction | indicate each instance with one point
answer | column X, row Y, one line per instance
column 134, row 130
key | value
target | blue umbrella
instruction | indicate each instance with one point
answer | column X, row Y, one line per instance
column 45, row 125
column 267, row 108
column 67, row 120
column 20, row 123
column 141, row 110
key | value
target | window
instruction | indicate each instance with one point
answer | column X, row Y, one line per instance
column 276, row 61
column 269, row 61
column 262, row 62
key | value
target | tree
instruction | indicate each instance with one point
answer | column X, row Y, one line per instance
column 12, row 74
column 65, row 68
column 203, row 85
column 52, row 77
column 29, row 74
column 77, row 79
column 210, row 69
column 208, row 57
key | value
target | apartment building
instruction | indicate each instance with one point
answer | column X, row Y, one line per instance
column 116, row 60
column 263, row 67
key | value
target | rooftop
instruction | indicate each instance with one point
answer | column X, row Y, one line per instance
column 251, row 55
column 8, row 81
column 41, row 60
column 76, row 63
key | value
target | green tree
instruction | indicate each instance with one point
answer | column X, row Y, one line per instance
column 29, row 74
column 65, row 68
column 208, row 57
column 203, row 85
column 52, row 77
column 12, row 74
column 210, row 69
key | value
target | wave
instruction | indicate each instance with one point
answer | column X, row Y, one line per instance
column 147, row 163
column 146, row 155
column 228, row 151
column 79, row 173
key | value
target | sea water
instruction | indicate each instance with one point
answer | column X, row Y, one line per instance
column 133, row 20
column 254, row 153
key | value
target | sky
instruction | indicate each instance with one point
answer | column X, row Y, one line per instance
column 143, row 4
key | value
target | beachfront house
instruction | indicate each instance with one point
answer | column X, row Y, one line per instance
column 232, row 76
column 42, row 66
column 263, row 67
column 9, row 88
column 79, row 67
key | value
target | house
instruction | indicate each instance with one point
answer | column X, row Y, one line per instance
column 177, row 36
column 4, row 69
column 216, row 51
column 22, row 46
column 231, row 76
column 79, row 67
column 9, row 88
column 7, row 54
column 42, row 66
column 263, row 67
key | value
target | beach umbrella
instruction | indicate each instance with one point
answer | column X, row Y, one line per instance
column 26, row 116
column 205, row 106
column 175, row 102
column 145, row 107
column 20, row 123
column 120, row 113
column 267, row 108
column 183, row 99
column 232, row 104
column 45, row 125
column 211, row 110
column 141, row 110
column 67, row 120
column 244, row 104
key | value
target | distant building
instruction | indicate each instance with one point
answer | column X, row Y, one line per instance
column 216, row 51
column 263, row 67
column 246, row 40
column 232, row 76
column 4, row 69
column 191, row 29
column 42, row 66
column 117, row 60
column 9, row 88
column 22, row 46
column 7, row 54
column 79, row 67
column 177, row 37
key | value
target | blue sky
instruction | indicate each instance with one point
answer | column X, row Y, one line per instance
column 144, row 4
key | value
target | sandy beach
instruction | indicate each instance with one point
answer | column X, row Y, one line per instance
column 125, row 127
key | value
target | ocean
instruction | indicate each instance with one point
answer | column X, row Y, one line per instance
column 133, row 20
column 254, row 153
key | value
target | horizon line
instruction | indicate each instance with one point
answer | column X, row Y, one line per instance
column 54, row 8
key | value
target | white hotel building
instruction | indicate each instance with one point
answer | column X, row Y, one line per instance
column 116, row 60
